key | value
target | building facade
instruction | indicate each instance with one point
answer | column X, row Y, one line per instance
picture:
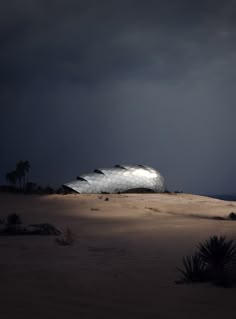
column 118, row 179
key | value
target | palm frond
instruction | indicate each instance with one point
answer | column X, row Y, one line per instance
column 193, row 269
column 217, row 252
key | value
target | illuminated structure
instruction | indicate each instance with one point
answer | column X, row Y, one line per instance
column 118, row 179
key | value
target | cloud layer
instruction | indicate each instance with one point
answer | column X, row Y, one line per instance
column 88, row 83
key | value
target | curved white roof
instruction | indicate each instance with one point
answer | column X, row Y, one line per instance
column 120, row 178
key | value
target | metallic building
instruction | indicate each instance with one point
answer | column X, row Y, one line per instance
column 120, row 178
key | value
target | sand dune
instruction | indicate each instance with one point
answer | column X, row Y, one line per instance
column 123, row 264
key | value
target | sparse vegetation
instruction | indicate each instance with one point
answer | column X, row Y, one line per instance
column 194, row 269
column 11, row 177
column 61, row 191
column 210, row 261
column 217, row 252
column 156, row 210
column 67, row 238
column 19, row 174
column 173, row 192
column 18, row 182
column 43, row 229
column 232, row 216
column 14, row 226
column 13, row 219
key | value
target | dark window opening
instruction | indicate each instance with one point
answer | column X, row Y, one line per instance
column 98, row 171
column 120, row 166
column 81, row 179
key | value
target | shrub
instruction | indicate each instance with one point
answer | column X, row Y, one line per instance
column 194, row 269
column 43, row 229
column 217, row 252
column 30, row 188
column 67, row 238
column 60, row 191
column 210, row 261
column 48, row 190
column 232, row 216
column 13, row 219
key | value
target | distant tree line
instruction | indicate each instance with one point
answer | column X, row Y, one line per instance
column 18, row 181
column 18, row 175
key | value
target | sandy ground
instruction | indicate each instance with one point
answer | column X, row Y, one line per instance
column 123, row 264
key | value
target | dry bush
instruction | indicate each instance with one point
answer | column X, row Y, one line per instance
column 67, row 238
column 213, row 261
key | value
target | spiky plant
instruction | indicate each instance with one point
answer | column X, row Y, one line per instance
column 217, row 252
column 194, row 269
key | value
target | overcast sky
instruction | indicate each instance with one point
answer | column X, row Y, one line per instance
column 87, row 84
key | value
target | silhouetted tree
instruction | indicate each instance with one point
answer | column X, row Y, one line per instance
column 22, row 167
column 13, row 219
column 26, row 168
column 11, row 177
column 30, row 187
column 20, row 172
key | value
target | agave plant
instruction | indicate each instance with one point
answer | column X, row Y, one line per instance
column 194, row 269
column 217, row 252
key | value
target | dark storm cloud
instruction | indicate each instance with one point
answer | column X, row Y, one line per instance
column 90, row 41
column 91, row 83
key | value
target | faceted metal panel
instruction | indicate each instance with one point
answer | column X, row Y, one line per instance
column 119, row 178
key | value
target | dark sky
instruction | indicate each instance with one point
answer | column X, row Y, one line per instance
column 86, row 84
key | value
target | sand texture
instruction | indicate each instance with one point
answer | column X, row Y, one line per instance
column 123, row 263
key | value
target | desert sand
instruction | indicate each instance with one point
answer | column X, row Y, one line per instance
column 123, row 263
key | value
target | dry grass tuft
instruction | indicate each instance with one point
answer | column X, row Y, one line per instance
column 67, row 238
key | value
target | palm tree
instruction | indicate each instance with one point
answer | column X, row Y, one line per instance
column 20, row 171
column 11, row 177
column 26, row 166
column 22, row 167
